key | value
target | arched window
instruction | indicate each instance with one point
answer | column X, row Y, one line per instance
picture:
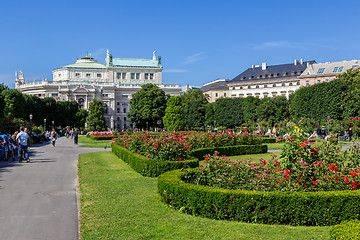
column 81, row 102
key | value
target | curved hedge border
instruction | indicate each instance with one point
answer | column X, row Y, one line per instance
column 293, row 208
column 230, row 150
column 346, row 230
column 150, row 168
column 268, row 140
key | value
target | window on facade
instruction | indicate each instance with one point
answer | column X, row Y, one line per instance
column 118, row 103
column 132, row 76
column 146, row 76
column 151, row 76
column 257, row 86
column 266, row 76
column 88, row 75
column 241, row 87
column 265, row 86
column 340, row 69
column 124, row 110
column 98, row 75
column 274, row 94
column 297, row 83
column 290, row 84
column 321, row 70
column 327, row 80
column 318, row 81
column 118, row 110
column 224, row 94
column 283, row 84
column 283, row 94
column 216, row 94
column 59, row 74
column 118, row 75
column 118, row 118
column 77, row 74
column 124, row 119
column 274, row 85
column 105, row 108
column 335, row 69
column 265, row 95
column 249, row 87
column 285, row 73
column 307, row 83
column 354, row 66
column 123, row 75
column 137, row 75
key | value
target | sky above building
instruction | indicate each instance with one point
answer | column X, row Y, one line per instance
column 199, row 41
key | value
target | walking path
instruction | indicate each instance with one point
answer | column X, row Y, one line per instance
column 38, row 199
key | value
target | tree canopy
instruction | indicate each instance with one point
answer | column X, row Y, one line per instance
column 174, row 114
column 96, row 120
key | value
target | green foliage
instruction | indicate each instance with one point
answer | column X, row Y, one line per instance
column 250, row 105
column 229, row 150
column 293, row 208
column 96, row 119
column 14, row 103
column 210, row 114
column 273, row 109
column 148, row 167
column 228, row 112
column 80, row 117
column 174, row 114
column 194, row 102
column 349, row 230
column 148, row 106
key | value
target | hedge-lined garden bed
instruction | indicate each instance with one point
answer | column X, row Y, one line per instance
column 293, row 208
column 147, row 167
column 230, row 150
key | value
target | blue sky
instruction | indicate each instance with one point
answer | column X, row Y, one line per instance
column 199, row 41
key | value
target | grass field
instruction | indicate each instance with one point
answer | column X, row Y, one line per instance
column 118, row 203
column 93, row 143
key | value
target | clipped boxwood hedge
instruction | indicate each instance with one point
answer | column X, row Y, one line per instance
column 93, row 137
column 229, row 150
column 346, row 230
column 293, row 208
column 268, row 140
column 149, row 168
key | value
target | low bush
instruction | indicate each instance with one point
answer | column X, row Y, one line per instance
column 93, row 137
column 346, row 230
column 148, row 167
column 230, row 150
column 268, row 140
column 293, row 208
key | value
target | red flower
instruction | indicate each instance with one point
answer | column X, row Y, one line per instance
column 305, row 186
column 291, row 138
column 306, row 142
column 315, row 182
column 353, row 174
column 299, row 180
column 286, row 178
column 201, row 165
column 329, row 177
column 156, row 146
column 302, row 144
column 179, row 159
column 184, row 148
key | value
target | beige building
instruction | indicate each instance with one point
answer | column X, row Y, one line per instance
column 113, row 83
column 216, row 89
column 325, row 72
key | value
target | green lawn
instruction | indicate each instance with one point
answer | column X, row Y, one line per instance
column 274, row 146
column 93, row 143
column 118, row 203
column 254, row 157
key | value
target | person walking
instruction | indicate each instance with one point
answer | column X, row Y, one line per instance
column 76, row 136
column 53, row 137
column 24, row 141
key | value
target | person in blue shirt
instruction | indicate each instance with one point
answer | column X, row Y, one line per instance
column 6, row 141
column 24, row 140
column 2, row 150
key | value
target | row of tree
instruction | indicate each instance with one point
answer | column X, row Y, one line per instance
column 338, row 99
column 16, row 105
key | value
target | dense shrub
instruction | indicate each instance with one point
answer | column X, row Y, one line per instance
column 110, row 137
column 148, row 167
column 294, row 208
column 268, row 140
column 346, row 230
column 230, row 150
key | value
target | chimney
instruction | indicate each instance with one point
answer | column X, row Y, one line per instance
column 301, row 61
column 264, row 66
column 295, row 62
column 252, row 66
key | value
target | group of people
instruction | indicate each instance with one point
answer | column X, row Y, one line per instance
column 73, row 134
column 19, row 141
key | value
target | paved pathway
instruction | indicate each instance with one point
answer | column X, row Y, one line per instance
column 38, row 199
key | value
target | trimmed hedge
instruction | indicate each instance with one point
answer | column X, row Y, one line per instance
column 346, row 230
column 229, row 150
column 268, row 140
column 293, row 208
column 149, row 168
column 93, row 137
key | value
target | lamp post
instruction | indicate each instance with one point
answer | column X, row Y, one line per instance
column 30, row 116
column 44, row 124
column 147, row 126
column 53, row 123
column 328, row 118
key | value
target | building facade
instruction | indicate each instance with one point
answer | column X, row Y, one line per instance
column 325, row 72
column 113, row 83
column 268, row 81
column 216, row 89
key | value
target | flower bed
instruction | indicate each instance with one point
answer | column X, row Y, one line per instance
column 274, row 207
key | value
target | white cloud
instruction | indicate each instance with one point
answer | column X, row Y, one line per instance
column 175, row 70
column 194, row 58
column 285, row 44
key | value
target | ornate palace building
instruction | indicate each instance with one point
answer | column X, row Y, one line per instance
column 113, row 83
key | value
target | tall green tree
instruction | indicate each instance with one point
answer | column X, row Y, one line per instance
column 67, row 112
column 194, row 109
column 229, row 112
column 80, row 118
column 14, row 104
column 174, row 114
column 148, row 106
column 250, row 105
column 2, row 101
column 96, row 120
column 210, row 114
